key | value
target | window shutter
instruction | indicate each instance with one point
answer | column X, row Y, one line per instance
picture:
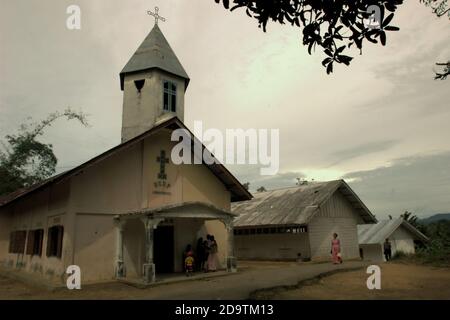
column 60, row 241
column 49, row 241
column 40, row 241
column 20, row 240
column 30, row 242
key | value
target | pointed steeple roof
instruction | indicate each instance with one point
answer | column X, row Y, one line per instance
column 154, row 52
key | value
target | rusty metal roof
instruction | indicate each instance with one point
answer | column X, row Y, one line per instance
column 154, row 52
column 295, row 205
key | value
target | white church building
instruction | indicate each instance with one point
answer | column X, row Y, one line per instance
column 130, row 212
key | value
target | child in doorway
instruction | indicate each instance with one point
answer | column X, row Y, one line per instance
column 189, row 264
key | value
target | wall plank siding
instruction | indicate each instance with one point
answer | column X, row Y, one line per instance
column 336, row 216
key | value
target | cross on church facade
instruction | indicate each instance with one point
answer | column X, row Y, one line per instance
column 156, row 15
column 162, row 165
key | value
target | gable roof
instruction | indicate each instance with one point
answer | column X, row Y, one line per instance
column 154, row 52
column 295, row 205
column 237, row 190
column 379, row 232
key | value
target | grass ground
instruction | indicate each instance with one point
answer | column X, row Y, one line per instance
column 398, row 281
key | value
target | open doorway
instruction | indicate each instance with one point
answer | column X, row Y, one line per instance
column 163, row 249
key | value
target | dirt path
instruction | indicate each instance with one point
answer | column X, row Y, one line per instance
column 253, row 276
column 398, row 281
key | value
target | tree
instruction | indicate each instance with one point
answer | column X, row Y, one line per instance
column 442, row 75
column 261, row 189
column 302, row 182
column 24, row 161
column 334, row 26
column 440, row 8
column 408, row 216
column 246, row 185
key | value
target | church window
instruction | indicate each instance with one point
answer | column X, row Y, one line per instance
column 55, row 241
column 34, row 242
column 170, row 96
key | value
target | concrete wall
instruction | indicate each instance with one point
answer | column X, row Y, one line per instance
column 335, row 216
column 5, row 230
column 134, row 248
column 372, row 252
column 271, row 246
column 41, row 210
column 402, row 240
column 95, row 246
column 142, row 109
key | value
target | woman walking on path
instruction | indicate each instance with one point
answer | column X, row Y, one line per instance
column 336, row 249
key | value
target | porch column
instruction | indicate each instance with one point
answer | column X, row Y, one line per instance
column 120, row 265
column 231, row 259
column 149, row 266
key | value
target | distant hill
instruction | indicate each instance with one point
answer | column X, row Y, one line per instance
column 436, row 217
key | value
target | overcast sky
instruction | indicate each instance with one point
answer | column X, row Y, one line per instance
column 383, row 123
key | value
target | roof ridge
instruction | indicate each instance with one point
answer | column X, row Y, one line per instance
column 292, row 187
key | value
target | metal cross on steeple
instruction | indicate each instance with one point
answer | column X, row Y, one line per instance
column 156, row 15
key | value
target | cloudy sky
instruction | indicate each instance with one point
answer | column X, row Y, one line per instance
column 383, row 123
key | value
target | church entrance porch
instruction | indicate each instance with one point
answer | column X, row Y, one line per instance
column 151, row 242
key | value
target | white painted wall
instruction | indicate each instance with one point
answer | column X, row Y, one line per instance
column 271, row 246
column 402, row 240
column 373, row 252
column 335, row 216
column 142, row 109
column 95, row 237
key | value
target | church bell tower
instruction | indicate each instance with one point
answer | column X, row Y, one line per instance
column 153, row 83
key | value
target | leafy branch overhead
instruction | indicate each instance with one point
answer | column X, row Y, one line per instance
column 24, row 160
column 334, row 26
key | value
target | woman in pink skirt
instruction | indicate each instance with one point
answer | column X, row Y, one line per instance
column 336, row 249
column 212, row 262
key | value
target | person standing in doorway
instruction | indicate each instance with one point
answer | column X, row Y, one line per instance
column 336, row 249
column 206, row 244
column 387, row 248
column 213, row 257
column 200, row 255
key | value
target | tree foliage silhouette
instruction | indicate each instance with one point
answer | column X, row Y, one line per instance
column 334, row 26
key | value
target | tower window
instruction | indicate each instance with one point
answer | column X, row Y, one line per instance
column 170, row 96
column 139, row 84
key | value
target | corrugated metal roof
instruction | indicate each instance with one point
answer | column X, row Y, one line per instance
column 154, row 52
column 295, row 205
column 379, row 232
